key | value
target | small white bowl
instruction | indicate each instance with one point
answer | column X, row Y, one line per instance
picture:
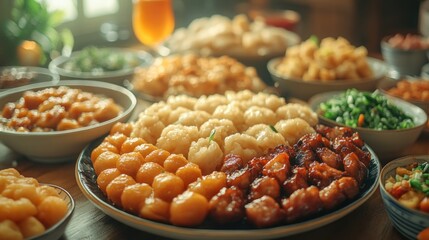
column 61, row 146
column 409, row 222
column 387, row 144
column 304, row 90
column 115, row 77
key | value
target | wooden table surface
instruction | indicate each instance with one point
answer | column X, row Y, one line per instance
column 369, row 221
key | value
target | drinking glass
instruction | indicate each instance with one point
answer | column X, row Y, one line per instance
column 153, row 22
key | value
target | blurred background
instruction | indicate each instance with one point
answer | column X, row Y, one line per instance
column 70, row 25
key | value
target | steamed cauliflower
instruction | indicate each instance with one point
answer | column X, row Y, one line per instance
column 206, row 154
column 256, row 115
column 266, row 137
column 242, row 144
column 148, row 127
column 232, row 112
column 177, row 138
column 295, row 110
column 210, row 103
column 193, row 118
column 222, row 127
column 293, row 129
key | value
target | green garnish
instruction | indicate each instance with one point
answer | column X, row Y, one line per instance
column 212, row 134
column 314, row 39
column 274, row 129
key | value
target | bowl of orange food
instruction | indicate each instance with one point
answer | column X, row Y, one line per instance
column 404, row 189
column 36, row 210
column 333, row 65
column 52, row 123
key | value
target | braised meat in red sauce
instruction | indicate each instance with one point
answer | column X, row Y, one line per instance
column 290, row 183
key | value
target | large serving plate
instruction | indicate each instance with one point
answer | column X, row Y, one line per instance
column 86, row 179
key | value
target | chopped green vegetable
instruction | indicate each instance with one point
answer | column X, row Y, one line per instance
column 363, row 109
column 212, row 134
column 273, row 128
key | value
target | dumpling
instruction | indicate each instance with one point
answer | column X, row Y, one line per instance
column 206, row 154
column 293, row 129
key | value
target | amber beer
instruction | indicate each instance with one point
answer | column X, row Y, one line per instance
column 153, row 21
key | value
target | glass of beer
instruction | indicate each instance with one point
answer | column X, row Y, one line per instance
column 153, row 21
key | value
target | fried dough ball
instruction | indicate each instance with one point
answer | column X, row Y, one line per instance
column 209, row 185
column 266, row 136
column 16, row 191
column 148, row 171
column 189, row 173
column 16, row 210
column 177, row 139
column 174, row 162
column 134, row 196
column 30, row 227
column 295, row 110
column 124, row 128
column 242, row 144
column 105, row 177
column 116, row 139
column 103, row 147
column 51, row 210
column 105, row 160
column 293, row 129
column 144, row 149
column 188, row 209
column 44, row 191
column 115, row 188
column 10, row 231
column 167, row 186
column 129, row 163
column 157, row 156
column 130, row 143
column 206, row 154
column 155, row 209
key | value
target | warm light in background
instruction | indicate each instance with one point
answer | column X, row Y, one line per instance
column 29, row 53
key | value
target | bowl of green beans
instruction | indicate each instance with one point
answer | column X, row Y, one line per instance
column 387, row 124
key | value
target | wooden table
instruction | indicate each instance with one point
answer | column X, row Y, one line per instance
column 369, row 221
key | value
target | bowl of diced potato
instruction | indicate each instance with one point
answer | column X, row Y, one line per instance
column 404, row 189
column 331, row 65
column 52, row 123
column 35, row 210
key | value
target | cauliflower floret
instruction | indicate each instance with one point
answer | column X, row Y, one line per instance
column 174, row 115
column 161, row 110
column 293, row 129
column 266, row 137
column 148, row 127
column 193, row 118
column 270, row 101
column 206, row 154
column 177, row 138
column 223, row 128
column 295, row 110
column 240, row 96
column 210, row 103
column 232, row 112
column 256, row 115
column 242, row 144
column 181, row 101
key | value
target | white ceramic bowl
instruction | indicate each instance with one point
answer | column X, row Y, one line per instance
column 38, row 74
column 115, row 77
column 409, row 222
column 387, row 144
column 57, row 230
column 59, row 146
column 304, row 90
